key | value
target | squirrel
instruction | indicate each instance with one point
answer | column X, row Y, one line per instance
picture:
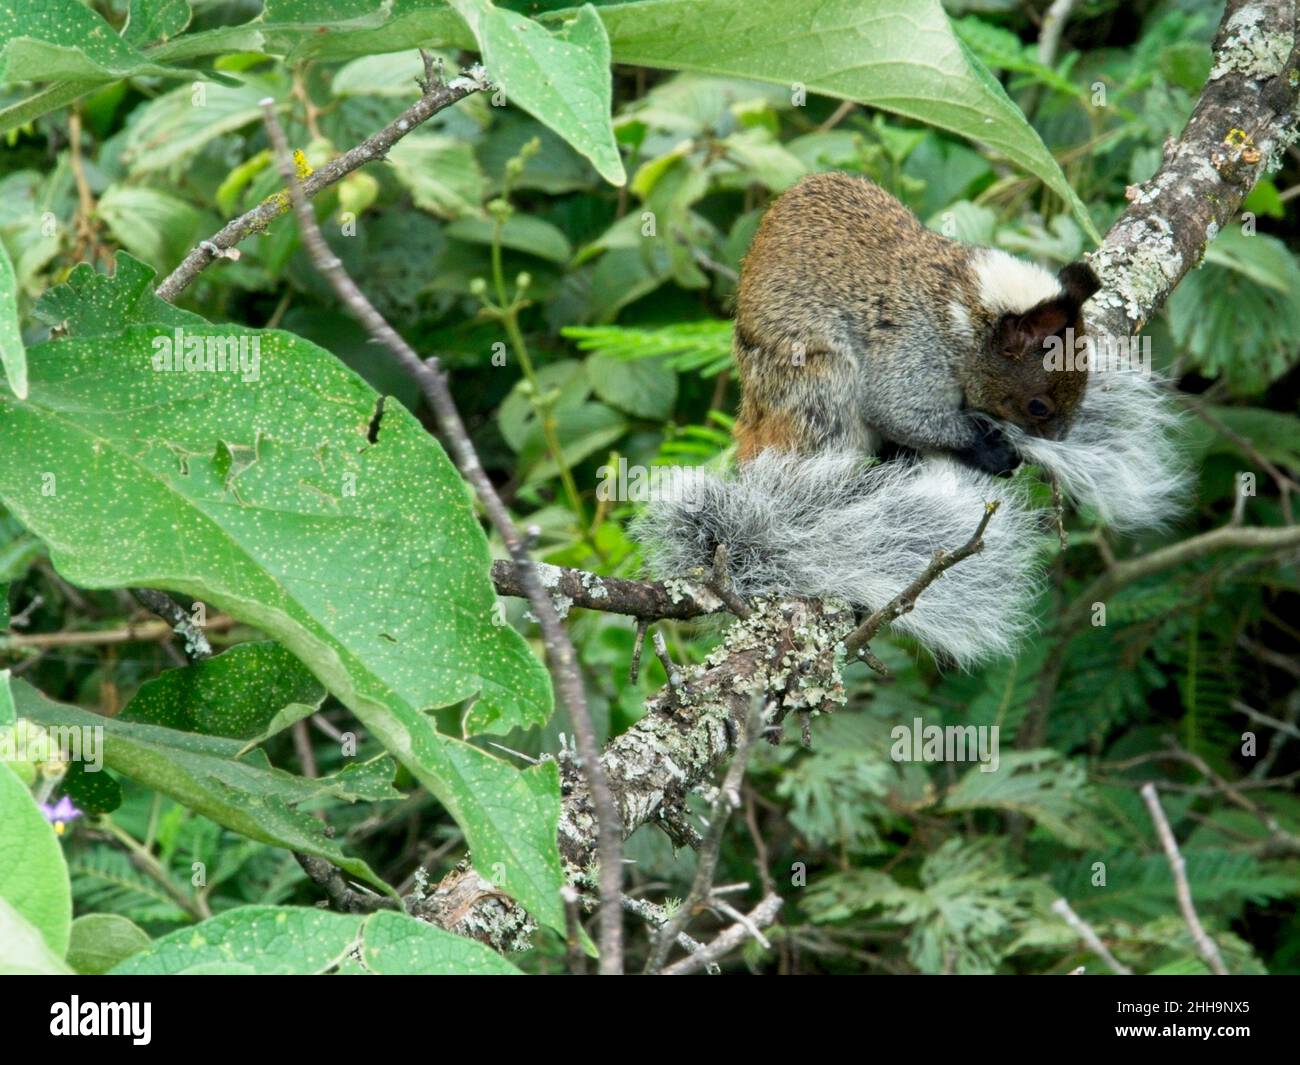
column 854, row 321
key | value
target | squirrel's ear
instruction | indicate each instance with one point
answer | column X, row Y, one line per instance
column 1018, row 335
column 1079, row 282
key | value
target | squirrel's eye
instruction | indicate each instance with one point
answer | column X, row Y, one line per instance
column 1039, row 408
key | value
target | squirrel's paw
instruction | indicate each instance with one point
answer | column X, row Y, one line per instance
column 992, row 453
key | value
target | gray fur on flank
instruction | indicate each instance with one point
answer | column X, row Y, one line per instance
column 831, row 525
column 1121, row 458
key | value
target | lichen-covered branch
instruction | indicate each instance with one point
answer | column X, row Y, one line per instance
column 788, row 650
column 652, row 600
column 1243, row 122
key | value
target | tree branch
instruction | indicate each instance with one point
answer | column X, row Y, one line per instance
column 1238, row 130
column 1205, row 946
column 652, row 600
column 435, row 97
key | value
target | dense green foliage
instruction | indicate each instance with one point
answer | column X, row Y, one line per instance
column 568, row 247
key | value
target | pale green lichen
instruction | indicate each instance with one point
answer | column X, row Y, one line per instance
column 1250, row 50
column 1134, row 277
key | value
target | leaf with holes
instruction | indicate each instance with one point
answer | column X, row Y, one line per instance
column 256, row 489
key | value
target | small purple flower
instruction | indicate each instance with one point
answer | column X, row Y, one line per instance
column 60, row 814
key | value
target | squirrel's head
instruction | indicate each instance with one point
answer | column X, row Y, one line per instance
column 1034, row 371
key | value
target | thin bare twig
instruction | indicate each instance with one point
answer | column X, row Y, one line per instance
column 657, row 917
column 561, row 657
column 1284, row 840
column 1130, row 570
column 1205, row 946
column 1091, row 940
column 906, row 599
column 760, row 916
column 434, row 98
column 651, row 600
column 143, row 632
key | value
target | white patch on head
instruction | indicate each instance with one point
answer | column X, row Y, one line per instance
column 1008, row 285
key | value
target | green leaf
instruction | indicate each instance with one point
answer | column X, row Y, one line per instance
column 33, row 876
column 897, row 55
column 567, row 385
column 13, row 355
column 1038, row 784
column 268, row 940
column 521, row 232
column 394, row 74
column 92, row 793
column 102, row 940
column 441, row 174
column 687, row 347
column 646, row 388
column 562, row 79
column 173, row 127
column 235, row 694
column 23, row 950
column 395, row 943
column 89, row 304
column 346, row 28
column 1275, row 434
column 1238, row 316
column 58, row 40
column 246, row 796
column 583, row 431
column 155, row 20
column 284, row 717
column 152, row 225
column 294, row 940
column 7, row 713
column 260, row 493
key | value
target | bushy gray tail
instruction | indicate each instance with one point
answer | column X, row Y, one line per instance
column 834, row 526
column 1121, row 458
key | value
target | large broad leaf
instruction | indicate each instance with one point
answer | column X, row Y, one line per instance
column 245, row 795
column 33, row 876
column 344, row 28
column 299, row 941
column 899, row 55
column 155, row 20
column 13, row 356
column 261, row 492
column 562, row 79
column 65, row 39
column 89, row 304
column 156, row 226
column 23, row 950
column 236, row 694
